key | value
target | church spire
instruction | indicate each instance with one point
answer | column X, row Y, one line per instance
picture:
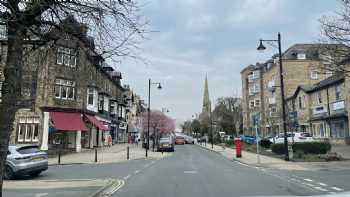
column 206, row 100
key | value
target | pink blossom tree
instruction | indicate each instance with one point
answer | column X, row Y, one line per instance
column 160, row 124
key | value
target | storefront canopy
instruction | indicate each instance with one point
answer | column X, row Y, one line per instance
column 65, row 121
column 97, row 123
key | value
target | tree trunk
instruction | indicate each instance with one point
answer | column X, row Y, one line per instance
column 11, row 90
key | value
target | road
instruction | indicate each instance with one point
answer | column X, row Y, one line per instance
column 190, row 171
column 193, row 171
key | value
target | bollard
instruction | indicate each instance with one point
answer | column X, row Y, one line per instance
column 127, row 153
column 95, row 155
column 59, row 156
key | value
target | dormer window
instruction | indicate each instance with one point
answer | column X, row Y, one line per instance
column 301, row 56
column 67, row 57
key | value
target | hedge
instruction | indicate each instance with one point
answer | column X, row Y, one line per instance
column 305, row 147
column 266, row 143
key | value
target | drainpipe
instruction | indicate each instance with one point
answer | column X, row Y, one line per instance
column 329, row 114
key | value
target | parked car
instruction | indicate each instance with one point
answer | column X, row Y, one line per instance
column 248, row 139
column 189, row 139
column 165, row 144
column 180, row 140
column 25, row 160
column 293, row 137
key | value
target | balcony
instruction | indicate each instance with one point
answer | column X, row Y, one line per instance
column 271, row 85
column 319, row 110
column 337, row 107
column 272, row 100
column 254, row 76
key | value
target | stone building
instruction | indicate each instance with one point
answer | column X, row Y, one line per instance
column 261, row 95
column 322, row 109
column 72, row 98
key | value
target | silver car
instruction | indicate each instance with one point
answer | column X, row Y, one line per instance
column 25, row 160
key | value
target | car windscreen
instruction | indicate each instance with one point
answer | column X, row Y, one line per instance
column 28, row 149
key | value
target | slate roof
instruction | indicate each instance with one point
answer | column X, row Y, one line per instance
column 334, row 79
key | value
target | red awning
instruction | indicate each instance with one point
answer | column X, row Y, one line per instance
column 66, row 121
column 97, row 123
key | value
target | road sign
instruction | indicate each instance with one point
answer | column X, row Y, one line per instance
column 256, row 118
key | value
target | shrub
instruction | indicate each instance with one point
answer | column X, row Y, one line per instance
column 312, row 147
column 266, row 143
column 277, row 148
column 299, row 154
column 305, row 147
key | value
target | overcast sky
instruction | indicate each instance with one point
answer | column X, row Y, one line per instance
column 217, row 37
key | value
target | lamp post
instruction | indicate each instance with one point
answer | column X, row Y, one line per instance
column 149, row 110
column 261, row 47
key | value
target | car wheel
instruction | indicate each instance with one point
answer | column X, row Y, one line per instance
column 9, row 173
column 35, row 174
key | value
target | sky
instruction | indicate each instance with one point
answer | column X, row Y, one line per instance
column 192, row 38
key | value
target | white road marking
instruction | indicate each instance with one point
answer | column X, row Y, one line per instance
column 308, row 180
column 137, row 171
column 190, row 172
column 337, row 188
column 323, row 184
column 116, row 186
column 321, row 189
column 41, row 194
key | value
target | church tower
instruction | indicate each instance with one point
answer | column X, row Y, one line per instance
column 206, row 108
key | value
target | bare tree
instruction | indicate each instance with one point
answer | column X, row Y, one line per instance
column 228, row 114
column 335, row 31
column 115, row 25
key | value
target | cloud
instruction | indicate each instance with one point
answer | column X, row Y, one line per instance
column 195, row 37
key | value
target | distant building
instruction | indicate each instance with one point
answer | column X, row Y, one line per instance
column 261, row 95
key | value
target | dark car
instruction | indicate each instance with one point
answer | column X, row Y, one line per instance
column 25, row 160
column 165, row 144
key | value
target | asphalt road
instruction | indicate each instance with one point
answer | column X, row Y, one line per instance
column 190, row 171
column 75, row 176
column 193, row 171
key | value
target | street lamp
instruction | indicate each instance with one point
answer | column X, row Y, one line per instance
column 261, row 48
column 159, row 86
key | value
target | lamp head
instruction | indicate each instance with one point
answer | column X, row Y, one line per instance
column 261, row 47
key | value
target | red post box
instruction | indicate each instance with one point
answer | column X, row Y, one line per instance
column 238, row 145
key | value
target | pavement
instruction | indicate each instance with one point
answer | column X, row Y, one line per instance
column 113, row 154
column 250, row 158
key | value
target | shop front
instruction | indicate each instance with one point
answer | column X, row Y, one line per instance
column 65, row 131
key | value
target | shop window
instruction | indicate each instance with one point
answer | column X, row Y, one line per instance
column 67, row 57
column 338, row 129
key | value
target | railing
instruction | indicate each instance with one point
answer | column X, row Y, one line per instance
column 319, row 110
column 337, row 107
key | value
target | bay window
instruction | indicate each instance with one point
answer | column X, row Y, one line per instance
column 28, row 129
column 64, row 89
